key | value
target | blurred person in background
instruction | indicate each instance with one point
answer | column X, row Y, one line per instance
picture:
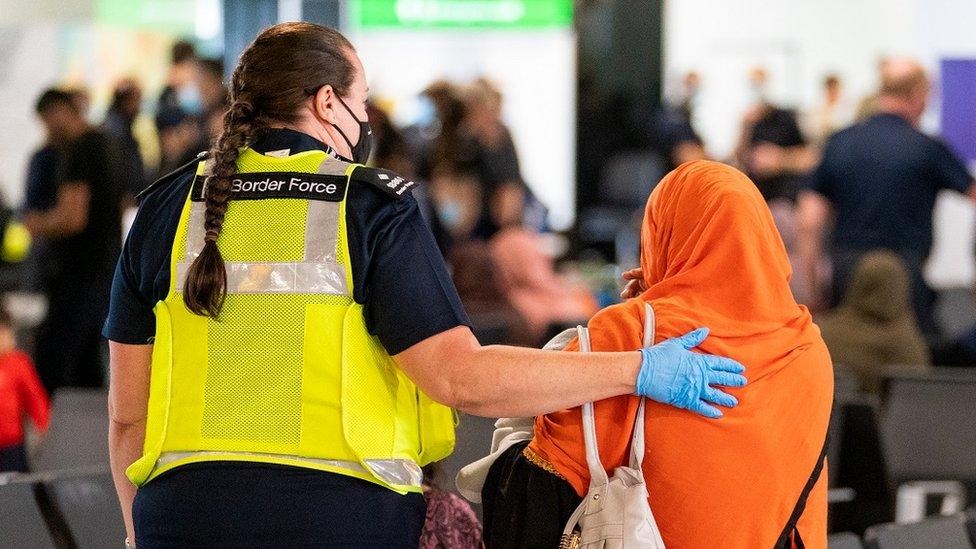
column 868, row 105
column 832, row 114
column 213, row 97
column 119, row 120
column 771, row 148
column 390, row 149
column 82, row 99
column 180, row 139
column 487, row 143
column 674, row 135
column 83, row 228
column 874, row 327
column 457, row 198
column 21, row 394
column 41, row 188
column 545, row 300
column 878, row 180
column 210, row 82
column 182, row 90
column 434, row 138
column 691, row 84
column 180, row 113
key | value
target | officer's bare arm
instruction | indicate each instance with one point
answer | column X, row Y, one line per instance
column 69, row 215
column 128, row 399
column 500, row 381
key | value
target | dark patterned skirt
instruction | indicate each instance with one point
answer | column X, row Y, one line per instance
column 526, row 503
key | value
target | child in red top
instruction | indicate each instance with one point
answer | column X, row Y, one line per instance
column 20, row 392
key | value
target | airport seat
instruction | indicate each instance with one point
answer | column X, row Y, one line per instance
column 846, row 382
column 858, row 464
column 844, row 540
column 90, row 509
column 929, row 430
column 944, row 532
column 78, row 436
column 21, row 523
column 971, row 524
column 846, row 387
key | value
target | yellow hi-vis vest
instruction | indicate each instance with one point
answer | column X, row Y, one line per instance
column 288, row 373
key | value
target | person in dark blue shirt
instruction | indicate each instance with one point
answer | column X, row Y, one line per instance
column 880, row 178
column 81, row 227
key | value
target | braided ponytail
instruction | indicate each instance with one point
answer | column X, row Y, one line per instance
column 268, row 88
column 206, row 281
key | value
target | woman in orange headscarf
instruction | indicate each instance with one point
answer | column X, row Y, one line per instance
column 711, row 256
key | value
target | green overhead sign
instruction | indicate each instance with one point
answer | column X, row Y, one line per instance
column 175, row 16
column 483, row 14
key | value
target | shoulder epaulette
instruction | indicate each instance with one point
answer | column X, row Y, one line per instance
column 169, row 177
column 389, row 182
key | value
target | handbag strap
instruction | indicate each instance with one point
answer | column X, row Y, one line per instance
column 637, row 440
column 598, row 475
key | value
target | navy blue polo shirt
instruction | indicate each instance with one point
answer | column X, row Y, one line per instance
column 882, row 177
column 399, row 275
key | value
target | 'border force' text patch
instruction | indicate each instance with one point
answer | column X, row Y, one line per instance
column 261, row 185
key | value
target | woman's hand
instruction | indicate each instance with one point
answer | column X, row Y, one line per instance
column 634, row 280
column 671, row 374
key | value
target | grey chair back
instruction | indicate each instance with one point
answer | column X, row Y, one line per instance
column 21, row 523
column 90, row 509
column 844, row 540
column 78, row 436
column 929, row 430
column 945, row 532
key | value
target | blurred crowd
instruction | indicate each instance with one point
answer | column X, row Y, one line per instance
column 484, row 216
column 852, row 186
column 82, row 182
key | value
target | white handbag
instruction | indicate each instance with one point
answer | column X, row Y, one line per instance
column 615, row 513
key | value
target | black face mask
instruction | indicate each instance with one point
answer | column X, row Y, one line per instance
column 359, row 150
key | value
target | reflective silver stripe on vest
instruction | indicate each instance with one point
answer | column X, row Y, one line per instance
column 317, row 273
column 395, row 472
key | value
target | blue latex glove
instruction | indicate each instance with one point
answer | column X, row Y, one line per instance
column 671, row 374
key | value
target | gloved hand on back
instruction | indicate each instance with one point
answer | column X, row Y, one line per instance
column 672, row 374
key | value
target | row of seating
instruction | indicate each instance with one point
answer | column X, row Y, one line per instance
column 894, row 450
column 920, row 429
column 957, row 531
column 69, row 509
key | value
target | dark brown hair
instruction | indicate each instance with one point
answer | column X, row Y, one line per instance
column 273, row 78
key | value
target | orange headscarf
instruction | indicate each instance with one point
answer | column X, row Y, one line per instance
column 711, row 256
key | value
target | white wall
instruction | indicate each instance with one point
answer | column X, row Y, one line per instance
column 29, row 63
column 799, row 41
column 536, row 71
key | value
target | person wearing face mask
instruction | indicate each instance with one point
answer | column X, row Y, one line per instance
column 286, row 340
